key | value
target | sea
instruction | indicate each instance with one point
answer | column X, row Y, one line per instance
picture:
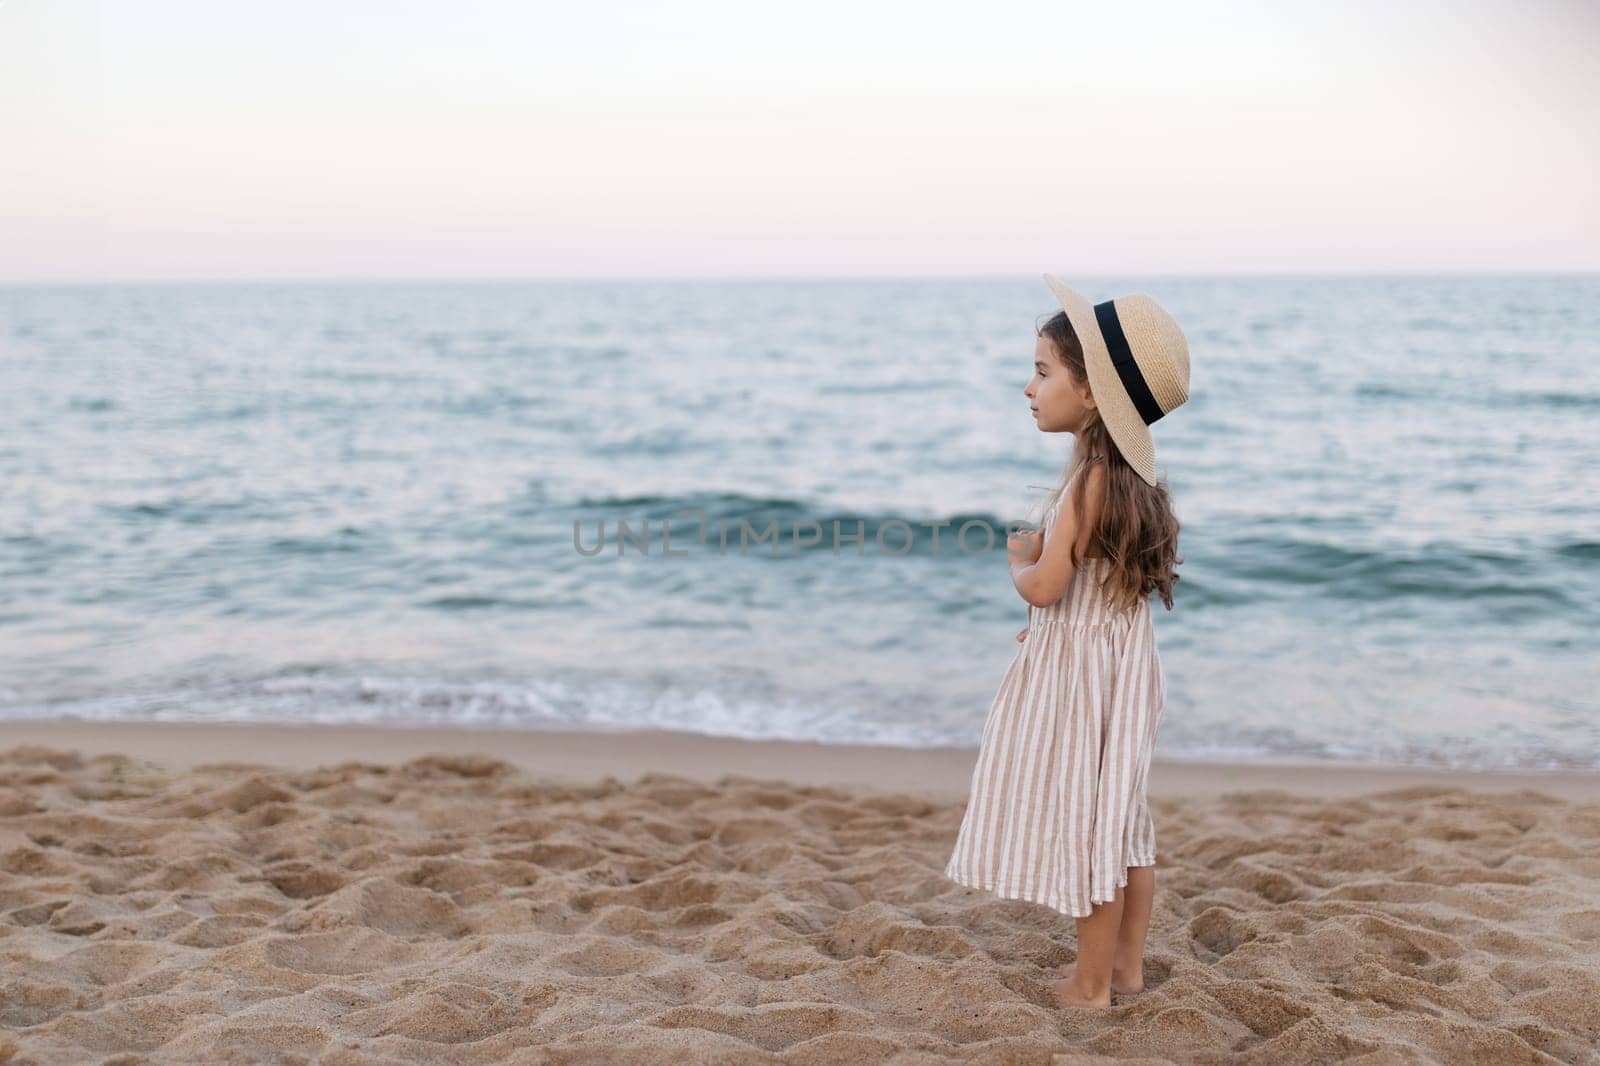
column 710, row 506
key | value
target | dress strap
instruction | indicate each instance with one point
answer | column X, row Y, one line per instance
column 1066, row 490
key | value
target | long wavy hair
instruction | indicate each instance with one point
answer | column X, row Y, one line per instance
column 1138, row 530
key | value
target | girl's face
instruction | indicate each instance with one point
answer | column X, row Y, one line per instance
column 1059, row 404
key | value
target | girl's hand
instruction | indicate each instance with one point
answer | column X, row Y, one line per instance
column 1023, row 635
column 1025, row 547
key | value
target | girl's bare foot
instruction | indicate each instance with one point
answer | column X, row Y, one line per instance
column 1122, row 984
column 1068, row 994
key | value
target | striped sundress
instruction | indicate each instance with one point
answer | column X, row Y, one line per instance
column 1058, row 810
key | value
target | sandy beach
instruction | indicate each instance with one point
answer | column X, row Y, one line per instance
column 347, row 895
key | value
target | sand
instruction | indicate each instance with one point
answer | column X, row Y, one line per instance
column 217, row 893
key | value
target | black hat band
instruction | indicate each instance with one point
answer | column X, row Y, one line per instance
column 1122, row 358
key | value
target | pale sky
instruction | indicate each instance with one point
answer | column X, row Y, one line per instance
column 184, row 140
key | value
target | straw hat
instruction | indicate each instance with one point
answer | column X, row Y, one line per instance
column 1138, row 364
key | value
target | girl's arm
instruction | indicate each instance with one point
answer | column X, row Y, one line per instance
column 1044, row 580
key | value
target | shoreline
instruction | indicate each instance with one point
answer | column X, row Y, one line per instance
column 585, row 755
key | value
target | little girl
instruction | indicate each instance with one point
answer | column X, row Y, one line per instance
column 1058, row 812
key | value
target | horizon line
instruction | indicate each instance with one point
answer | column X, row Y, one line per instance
column 596, row 279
